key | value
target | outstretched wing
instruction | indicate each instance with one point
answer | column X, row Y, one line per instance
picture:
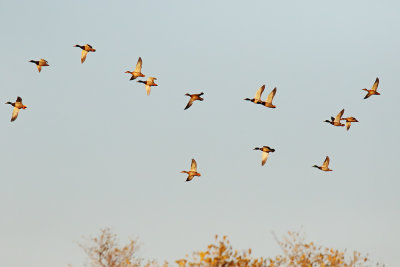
column 19, row 99
column 189, row 104
column 264, row 158
column 271, row 96
column 151, row 79
column 339, row 116
column 193, row 167
column 375, row 86
column 138, row 65
column 148, row 89
column 259, row 92
column 348, row 124
column 14, row 114
column 83, row 56
column 326, row 162
column 39, row 68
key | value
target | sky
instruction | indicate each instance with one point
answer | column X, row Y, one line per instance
column 92, row 150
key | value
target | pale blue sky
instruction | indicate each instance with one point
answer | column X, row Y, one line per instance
column 93, row 151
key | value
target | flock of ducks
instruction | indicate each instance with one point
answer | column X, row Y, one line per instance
column 334, row 121
column 137, row 72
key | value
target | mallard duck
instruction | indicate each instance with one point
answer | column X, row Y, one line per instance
column 40, row 63
column 373, row 89
column 17, row 106
column 193, row 171
column 149, row 83
column 193, row 98
column 257, row 97
column 137, row 72
column 268, row 101
column 349, row 120
column 265, row 150
column 324, row 166
column 85, row 50
column 336, row 121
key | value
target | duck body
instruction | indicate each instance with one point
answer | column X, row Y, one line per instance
column 149, row 83
column 193, row 98
column 138, row 70
column 372, row 91
column 40, row 63
column 336, row 121
column 193, row 171
column 17, row 106
column 85, row 50
column 325, row 165
column 265, row 152
column 257, row 97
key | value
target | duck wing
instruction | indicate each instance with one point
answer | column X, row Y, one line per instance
column 83, row 55
column 148, row 89
column 19, row 99
column 339, row 116
column 271, row 96
column 138, row 65
column 14, row 114
column 264, row 158
column 259, row 92
column 189, row 104
column 348, row 124
column 375, row 86
column 151, row 79
column 193, row 167
column 326, row 162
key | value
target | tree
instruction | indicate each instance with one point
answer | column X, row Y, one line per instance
column 221, row 254
column 104, row 251
column 297, row 252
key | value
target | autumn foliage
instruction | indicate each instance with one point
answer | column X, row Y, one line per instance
column 104, row 252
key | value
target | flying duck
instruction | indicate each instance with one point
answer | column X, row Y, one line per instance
column 85, row 50
column 149, row 83
column 137, row 72
column 17, row 106
column 40, row 63
column 336, row 121
column 193, row 98
column 373, row 89
column 257, row 97
column 268, row 101
column 324, row 166
column 193, row 171
column 265, row 150
column 349, row 120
